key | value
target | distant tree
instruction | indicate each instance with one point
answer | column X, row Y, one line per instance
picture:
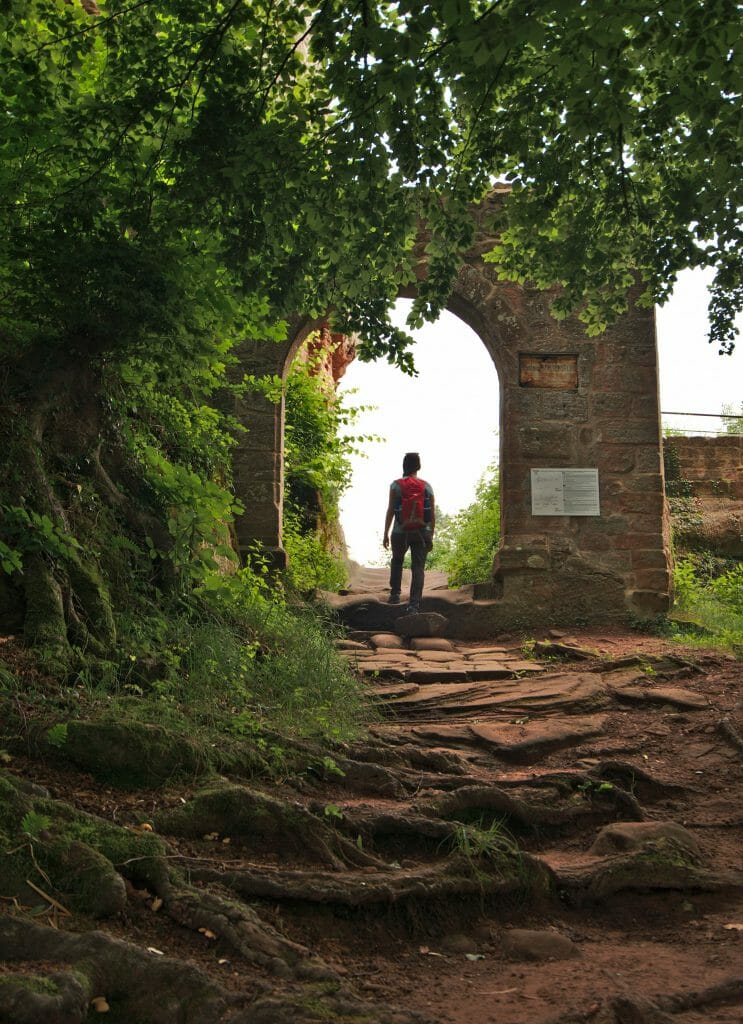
column 733, row 425
column 466, row 543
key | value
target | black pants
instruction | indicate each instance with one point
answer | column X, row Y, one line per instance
column 400, row 542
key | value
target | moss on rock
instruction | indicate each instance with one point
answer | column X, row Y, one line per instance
column 45, row 625
column 76, row 858
column 262, row 822
column 226, row 807
column 129, row 754
column 86, row 881
column 91, row 591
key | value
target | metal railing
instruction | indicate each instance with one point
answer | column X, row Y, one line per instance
column 727, row 418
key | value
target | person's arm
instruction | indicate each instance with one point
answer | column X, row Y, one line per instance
column 389, row 516
column 431, row 524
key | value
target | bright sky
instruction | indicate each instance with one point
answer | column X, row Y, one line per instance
column 449, row 412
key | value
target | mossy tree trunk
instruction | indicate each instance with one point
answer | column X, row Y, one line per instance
column 66, row 485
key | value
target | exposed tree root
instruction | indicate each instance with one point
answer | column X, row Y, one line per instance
column 728, row 991
column 240, row 927
column 626, row 1009
column 456, row 876
column 373, row 824
column 140, row 985
column 659, row 865
column 338, row 1008
column 635, row 780
column 370, row 778
column 726, row 728
column 152, row 988
column 263, row 821
column 567, row 782
column 408, row 755
column 44, row 624
column 492, row 800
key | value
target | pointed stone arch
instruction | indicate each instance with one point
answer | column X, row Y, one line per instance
column 567, row 401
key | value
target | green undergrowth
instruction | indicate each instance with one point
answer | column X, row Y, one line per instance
column 133, row 608
column 491, row 844
column 465, row 544
column 51, row 849
column 708, row 607
column 231, row 677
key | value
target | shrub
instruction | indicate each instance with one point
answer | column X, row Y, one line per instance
column 713, row 603
column 470, row 538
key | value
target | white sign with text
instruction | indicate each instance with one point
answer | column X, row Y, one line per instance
column 565, row 492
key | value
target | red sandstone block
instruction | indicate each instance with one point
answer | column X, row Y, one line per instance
column 636, row 483
column 627, row 379
column 640, row 354
column 645, row 405
column 634, row 432
column 648, row 558
column 647, row 503
column 651, row 579
column 648, row 459
column 608, row 405
column 617, row 458
column 595, row 542
column 604, row 525
column 616, row 561
column 639, row 541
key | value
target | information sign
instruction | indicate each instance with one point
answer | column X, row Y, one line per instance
column 565, row 492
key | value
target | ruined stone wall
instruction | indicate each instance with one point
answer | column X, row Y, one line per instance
column 329, row 354
column 707, row 465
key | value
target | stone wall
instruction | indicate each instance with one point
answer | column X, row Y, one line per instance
column 705, row 465
column 704, row 484
column 329, row 354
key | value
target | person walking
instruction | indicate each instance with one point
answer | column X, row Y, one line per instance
column 411, row 513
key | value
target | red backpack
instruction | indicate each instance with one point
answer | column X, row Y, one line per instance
column 412, row 509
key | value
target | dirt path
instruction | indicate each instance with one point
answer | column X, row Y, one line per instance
column 600, row 715
column 526, row 836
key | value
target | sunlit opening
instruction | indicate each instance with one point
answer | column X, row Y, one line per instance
column 448, row 413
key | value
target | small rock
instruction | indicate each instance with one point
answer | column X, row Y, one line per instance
column 421, row 624
column 621, row 836
column 431, row 643
column 351, row 645
column 526, row 944
column 458, row 943
column 387, row 641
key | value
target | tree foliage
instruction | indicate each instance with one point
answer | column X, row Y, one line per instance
column 465, row 544
column 734, row 423
column 176, row 171
column 317, row 470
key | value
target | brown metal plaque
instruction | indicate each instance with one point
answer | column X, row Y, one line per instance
column 557, row 372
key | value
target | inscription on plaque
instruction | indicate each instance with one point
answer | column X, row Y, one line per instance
column 565, row 492
column 560, row 373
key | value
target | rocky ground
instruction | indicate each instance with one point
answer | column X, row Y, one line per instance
column 539, row 833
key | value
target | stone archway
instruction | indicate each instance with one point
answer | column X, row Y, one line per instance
column 567, row 403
